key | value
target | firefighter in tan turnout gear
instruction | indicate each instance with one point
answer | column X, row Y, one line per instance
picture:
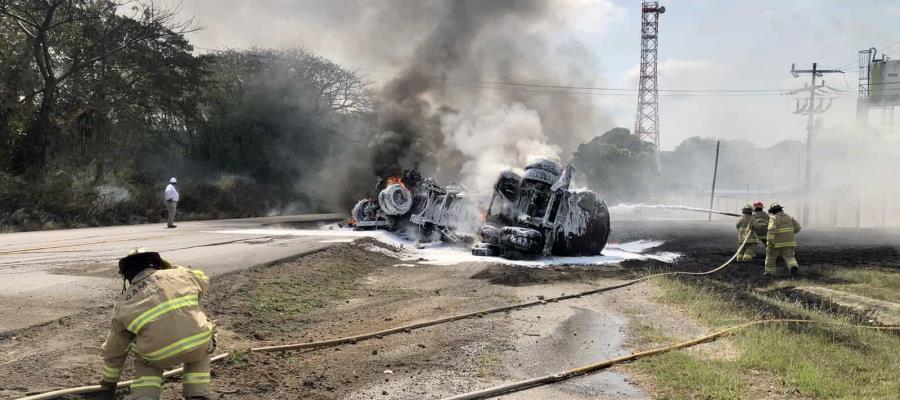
column 160, row 320
column 760, row 222
column 780, row 241
column 745, row 227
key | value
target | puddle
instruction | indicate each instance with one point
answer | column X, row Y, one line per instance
column 446, row 254
column 585, row 337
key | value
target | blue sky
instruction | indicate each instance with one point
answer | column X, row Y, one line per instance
column 704, row 44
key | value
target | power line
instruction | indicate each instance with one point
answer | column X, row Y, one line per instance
column 882, row 49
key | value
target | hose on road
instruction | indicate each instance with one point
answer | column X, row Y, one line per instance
column 407, row 328
column 591, row 368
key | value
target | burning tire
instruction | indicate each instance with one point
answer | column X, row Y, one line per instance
column 395, row 200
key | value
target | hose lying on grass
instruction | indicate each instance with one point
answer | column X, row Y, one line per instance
column 591, row 368
column 404, row 328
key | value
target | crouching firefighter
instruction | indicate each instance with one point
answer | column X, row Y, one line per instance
column 745, row 229
column 159, row 318
column 780, row 240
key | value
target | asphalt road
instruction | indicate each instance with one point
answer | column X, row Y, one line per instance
column 47, row 275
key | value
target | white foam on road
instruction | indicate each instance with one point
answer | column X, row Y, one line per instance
column 439, row 253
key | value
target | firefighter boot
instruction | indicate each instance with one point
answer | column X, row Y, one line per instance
column 791, row 262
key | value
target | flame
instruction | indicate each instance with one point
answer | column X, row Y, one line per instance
column 392, row 180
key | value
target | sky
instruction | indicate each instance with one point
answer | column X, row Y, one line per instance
column 704, row 44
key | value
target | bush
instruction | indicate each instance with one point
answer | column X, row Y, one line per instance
column 65, row 200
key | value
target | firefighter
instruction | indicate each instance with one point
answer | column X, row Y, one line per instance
column 744, row 228
column 760, row 221
column 160, row 319
column 780, row 240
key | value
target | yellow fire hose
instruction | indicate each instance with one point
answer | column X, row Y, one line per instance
column 591, row 368
column 419, row 325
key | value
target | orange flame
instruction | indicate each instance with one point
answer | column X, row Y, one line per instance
column 391, row 180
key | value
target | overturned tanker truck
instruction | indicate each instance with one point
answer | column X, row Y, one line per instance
column 530, row 214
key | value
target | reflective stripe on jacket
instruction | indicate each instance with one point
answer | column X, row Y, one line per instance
column 781, row 230
column 744, row 227
column 159, row 318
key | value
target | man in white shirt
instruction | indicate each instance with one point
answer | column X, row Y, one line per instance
column 171, row 201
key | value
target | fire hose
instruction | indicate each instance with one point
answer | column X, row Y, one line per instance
column 591, row 368
column 418, row 325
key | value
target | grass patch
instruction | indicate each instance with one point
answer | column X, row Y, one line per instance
column 876, row 284
column 648, row 335
column 283, row 294
column 238, row 359
column 826, row 362
column 683, row 376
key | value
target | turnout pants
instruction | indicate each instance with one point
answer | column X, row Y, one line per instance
column 747, row 252
column 147, row 383
column 170, row 209
column 772, row 255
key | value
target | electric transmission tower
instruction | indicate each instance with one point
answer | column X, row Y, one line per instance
column 646, row 124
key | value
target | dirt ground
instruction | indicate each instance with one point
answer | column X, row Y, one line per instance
column 348, row 289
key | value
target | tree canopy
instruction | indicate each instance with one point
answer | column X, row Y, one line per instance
column 617, row 164
column 101, row 93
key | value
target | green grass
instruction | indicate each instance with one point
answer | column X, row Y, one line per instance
column 238, row 359
column 280, row 299
column 683, row 376
column 877, row 284
column 874, row 283
column 824, row 362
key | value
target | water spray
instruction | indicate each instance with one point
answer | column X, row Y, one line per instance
column 628, row 207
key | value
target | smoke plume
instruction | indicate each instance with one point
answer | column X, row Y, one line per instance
column 442, row 113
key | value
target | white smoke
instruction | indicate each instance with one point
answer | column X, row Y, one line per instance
column 494, row 137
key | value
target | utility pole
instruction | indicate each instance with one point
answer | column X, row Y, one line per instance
column 810, row 127
column 712, row 193
column 646, row 123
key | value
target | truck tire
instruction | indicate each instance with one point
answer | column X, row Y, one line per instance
column 395, row 200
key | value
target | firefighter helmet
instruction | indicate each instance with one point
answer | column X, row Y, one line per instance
column 138, row 260
column 775, row 208
column 758, row 204
column 747, row 209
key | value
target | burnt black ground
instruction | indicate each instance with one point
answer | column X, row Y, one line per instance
column 706, row 245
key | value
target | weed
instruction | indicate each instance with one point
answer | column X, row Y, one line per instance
column 238, row 359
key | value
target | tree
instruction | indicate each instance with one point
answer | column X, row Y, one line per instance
column 278, row 117
column 617, row 164
column 68, row 39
